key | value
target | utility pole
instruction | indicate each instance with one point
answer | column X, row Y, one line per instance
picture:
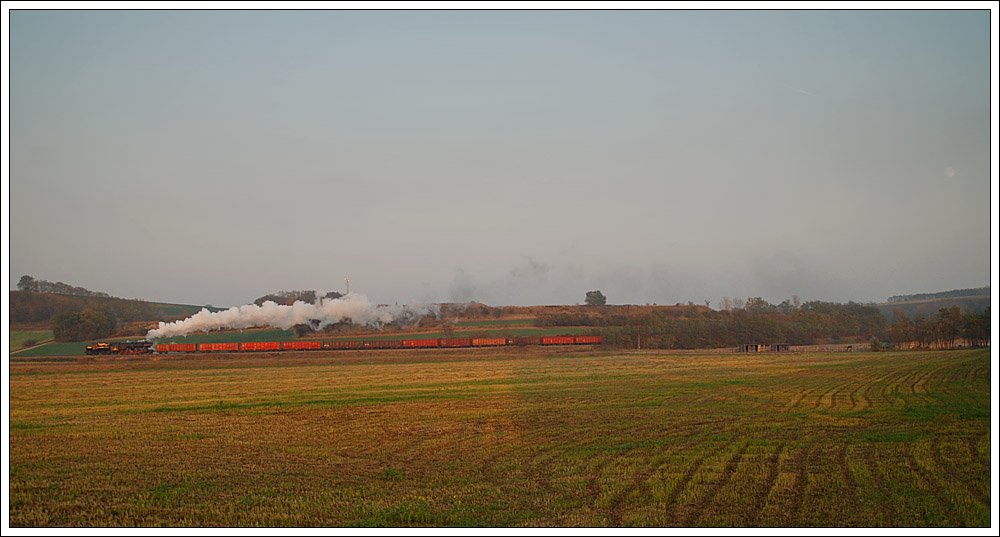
column 347, row 281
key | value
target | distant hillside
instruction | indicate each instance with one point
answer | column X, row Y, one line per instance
column 955, row 293
column 29, row 308
column 927, row 304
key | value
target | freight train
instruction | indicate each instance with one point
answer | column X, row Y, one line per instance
column 259, row 346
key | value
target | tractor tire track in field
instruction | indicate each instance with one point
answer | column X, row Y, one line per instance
column 615, row 508
column 801, row 481
column 921, row 385
column 888, row 511
column 970, row 376
column 859, row 397
column 642, row 476
column 682, row 484
column 953, row 476
column 860, row 380
column 724, row 478
column 822, row 390
column 539, row 467
column 541, row 471
column 972, row 443
column 797, row 398
column 527, row 434
column 498, row 443
column 932, row 485
column 773, row 470
column 851, row 484
column 957, row 372
column 593, row 484
column 805, row 393
column 640, row 481
column 897, row 386
column 886, row 386
column 832, row 392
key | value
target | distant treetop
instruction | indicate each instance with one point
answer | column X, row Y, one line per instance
column 596, row 298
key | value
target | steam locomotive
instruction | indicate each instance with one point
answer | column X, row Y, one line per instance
column 121, row 347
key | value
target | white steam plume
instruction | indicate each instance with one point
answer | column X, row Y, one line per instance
column 353, row 307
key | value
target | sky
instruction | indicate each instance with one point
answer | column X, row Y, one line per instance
column 509, row 157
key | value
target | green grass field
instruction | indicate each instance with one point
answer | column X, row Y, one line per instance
column 504, row 437
column 76, row 348
column 497, row 322
column 79, row 348
column 19, row 337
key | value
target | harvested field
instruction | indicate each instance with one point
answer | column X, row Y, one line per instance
column 503, row 437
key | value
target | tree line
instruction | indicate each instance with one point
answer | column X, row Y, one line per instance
column 287, row 298
column 944, row 329
column 757, row 321
column 30, row 284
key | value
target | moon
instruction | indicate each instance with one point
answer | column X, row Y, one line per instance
column 949, row 171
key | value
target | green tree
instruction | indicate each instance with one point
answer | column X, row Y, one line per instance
column 901, row 330
column 596, row 298
column 26, row 283
column 948, row 325
column 757, row 304
column 67, row 326
column 976, row 328
column 91, row 323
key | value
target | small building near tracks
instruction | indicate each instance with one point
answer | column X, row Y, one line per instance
column 763, row 347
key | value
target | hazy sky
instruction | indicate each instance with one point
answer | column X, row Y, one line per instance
column 508, row 157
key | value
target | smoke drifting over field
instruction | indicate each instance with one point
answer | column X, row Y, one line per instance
column 353, row 308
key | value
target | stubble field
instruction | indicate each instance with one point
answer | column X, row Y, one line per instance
column 504, row 437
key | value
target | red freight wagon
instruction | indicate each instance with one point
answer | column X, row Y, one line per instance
column 420, row 342
column 456, row 342
column 587, row 340
column 213, row 347
column 488, row 341
column 338, row 345
column 527, row 340
column 301, row 345
column 261, row 346
column 384, row 344
column 176, row 347
column 557, row 340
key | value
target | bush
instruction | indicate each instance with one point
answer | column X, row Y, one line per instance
column 91, row 323
column 877, row 346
